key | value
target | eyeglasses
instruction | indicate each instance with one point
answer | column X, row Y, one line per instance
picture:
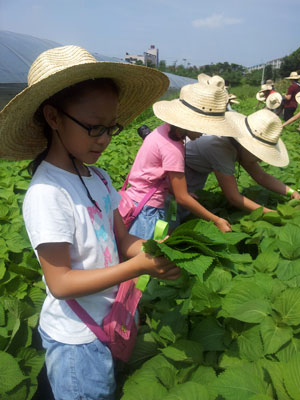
column 97, row 130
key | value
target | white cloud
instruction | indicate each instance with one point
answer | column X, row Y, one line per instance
column 215, row 21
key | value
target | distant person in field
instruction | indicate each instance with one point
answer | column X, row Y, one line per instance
column 160, row 159
column 259, row 140
column 296, row 116
column 290, row 103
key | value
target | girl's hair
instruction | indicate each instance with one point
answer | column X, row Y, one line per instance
column 172, row 134
column 60, row 100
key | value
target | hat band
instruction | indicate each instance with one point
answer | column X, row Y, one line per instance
column 256, row 137
column 215, row 114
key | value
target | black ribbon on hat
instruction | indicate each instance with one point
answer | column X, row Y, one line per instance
column 257, row 137
column 215, row 114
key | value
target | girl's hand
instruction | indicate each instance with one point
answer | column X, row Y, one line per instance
column 223, row 225
column 295, row 195
column 159, row 267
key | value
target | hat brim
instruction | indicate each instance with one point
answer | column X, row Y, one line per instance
column 274, row 155
column 21, row 139
column 293, row 77
column 175, row 113
column 234, row 101
column 260, row 97
column 277, row 100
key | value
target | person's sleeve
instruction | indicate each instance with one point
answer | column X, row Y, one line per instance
column 115, row 197
column 222, row 158
column 172, row 156
column 48, row 215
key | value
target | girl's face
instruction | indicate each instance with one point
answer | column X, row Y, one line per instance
column 95, row 107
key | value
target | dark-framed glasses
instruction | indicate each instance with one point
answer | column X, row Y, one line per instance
column 97, row 130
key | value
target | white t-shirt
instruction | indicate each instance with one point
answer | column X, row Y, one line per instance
column 57, row 209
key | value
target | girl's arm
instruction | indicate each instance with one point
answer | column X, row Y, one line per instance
column 294, row 118
column 179, row 188
column 268, row 181
column 229, row 187
column 64, row 282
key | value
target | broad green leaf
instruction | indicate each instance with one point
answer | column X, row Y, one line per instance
column 289, row 350
column 188, row 390
column 246, row 302
column 272, row 217
column 275, row 370
column 286, row 210
column 256, row 214
column 209, row 334
column 250, row 345
column 274, row 336
column 241, row 383
column 289, row 241
column 266, row 261
column 219, row 280
column 291, row 376
column 204, row 298
column 288, row 269
column 203, row 375
column 32, row 359
column 184, row 350
column 166, row 376
column 10, row 373
column 145, row 389
column 196, row 266
column 288, row 306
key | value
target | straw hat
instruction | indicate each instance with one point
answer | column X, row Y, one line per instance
column 274, row 100
column 61, row 67
column 297, row 97
column 232, row 98
column 200, row 108
column 293, row 75
column 269, row 82
column 265, row 87
column 260, row 134
column 260, row 96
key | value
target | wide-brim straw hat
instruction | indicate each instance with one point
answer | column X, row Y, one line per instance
column 233, row 99
column 265, row 87
column 59, row 68
column 269, row 82
column 200, row 108
column 297, row 97
column 274, row 100
column 260, row 134
column 293, row 75
column 260, row 96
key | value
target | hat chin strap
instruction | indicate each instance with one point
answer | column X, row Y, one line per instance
column 257, row 137
column 73, row 158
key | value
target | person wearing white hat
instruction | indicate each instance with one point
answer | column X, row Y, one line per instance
column 199, row 109
column 290, row 103
column 259, row 140
column 64, row 120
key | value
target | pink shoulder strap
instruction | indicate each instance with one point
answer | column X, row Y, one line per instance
column 88, row 320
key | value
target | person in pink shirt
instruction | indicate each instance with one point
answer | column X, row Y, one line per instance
column 160, row 160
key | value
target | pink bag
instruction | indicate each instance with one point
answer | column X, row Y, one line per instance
column 127, row 209
column 119, row 326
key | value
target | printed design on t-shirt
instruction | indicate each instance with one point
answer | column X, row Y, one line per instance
column 107, row 203
column 96, row 218
column 107, row 257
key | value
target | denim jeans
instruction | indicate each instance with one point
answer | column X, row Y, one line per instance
column 80, row 371
column 144, row 224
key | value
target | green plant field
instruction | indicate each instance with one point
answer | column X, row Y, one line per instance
column 229, row 328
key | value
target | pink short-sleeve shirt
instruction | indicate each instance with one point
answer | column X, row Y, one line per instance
column 156, row 157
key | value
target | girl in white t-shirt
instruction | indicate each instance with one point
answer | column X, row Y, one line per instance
column 64, row 120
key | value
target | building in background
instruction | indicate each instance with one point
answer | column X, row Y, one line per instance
column 150, row 57
column 274, row 64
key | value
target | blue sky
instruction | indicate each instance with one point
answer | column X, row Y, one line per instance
column 246, row 32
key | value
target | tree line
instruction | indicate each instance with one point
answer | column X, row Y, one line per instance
column 235, row 74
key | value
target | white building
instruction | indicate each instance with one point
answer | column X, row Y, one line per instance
column 149, row 57
column 274, row 63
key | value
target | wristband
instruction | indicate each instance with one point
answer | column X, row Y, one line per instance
column 290, row 192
